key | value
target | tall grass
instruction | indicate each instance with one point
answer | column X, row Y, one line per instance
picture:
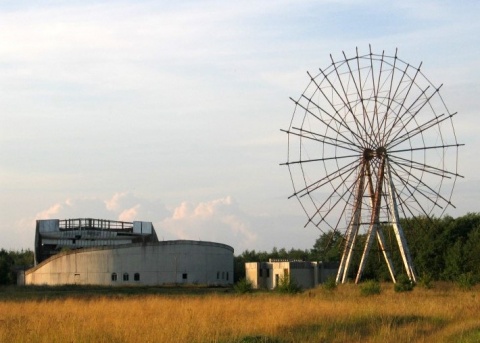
column 443, row 313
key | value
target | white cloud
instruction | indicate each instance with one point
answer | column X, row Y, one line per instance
column 123, row 206
column 129, row 215
column 52, row 211
column 219, row 220
column 113, row 203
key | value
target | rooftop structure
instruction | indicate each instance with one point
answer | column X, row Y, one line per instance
column 54, row 235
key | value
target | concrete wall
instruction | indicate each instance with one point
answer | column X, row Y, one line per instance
column 165, row 262
column 251, row 270
column 306, row 274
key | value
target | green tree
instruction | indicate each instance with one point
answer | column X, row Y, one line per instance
column 454, row 261
column 327, row 247
column 7, row 275
column 471, row 250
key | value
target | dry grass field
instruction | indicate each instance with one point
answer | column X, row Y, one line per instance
column 441, row 314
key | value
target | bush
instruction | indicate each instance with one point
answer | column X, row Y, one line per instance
column 330, row 284
column 465, row 281
column 287, row 285
column 425, row 281
column 243, row 286
column 370, row 287
column 403, row 284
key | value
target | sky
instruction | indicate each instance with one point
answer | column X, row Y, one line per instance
column 170, row 112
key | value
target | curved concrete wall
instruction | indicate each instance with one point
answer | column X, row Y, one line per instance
column 167, row 262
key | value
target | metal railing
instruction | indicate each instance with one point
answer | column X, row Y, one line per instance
column 94, row 224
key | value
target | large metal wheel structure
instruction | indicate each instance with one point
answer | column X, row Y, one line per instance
column 370, row 141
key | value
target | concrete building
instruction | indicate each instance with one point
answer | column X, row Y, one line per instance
column 102, row 252
column 305, row 274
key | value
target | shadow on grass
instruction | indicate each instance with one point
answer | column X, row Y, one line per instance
column 89, row 292
column 361, row 328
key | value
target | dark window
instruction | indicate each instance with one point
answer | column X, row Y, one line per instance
column 268, row 272
column 114, row 276
column 125, row 277
column 218, row 275
column 260, row 272
column 184, row 276
column 136, row 277
column 227, row 276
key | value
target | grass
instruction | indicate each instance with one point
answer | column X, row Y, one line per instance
column 198, row 314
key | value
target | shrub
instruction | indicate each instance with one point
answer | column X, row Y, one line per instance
column 330, row 284
column 465, row 281
column 425, row 281
column 287, row 285
column 403, row 284
column 370, row 287
column 243, row 286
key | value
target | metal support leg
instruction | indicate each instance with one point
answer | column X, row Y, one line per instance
column 352, row 230
column 374, row 221
column 397, row 228
column 380, row 237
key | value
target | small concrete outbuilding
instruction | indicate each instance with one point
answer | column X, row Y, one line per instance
column 102, row 252
column 306, row 274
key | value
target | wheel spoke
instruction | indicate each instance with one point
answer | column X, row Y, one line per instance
column 318, row 160
column 437, row 194
column 322, row 218
column 425, row 167
column 327, row 140
column 322, row 121
column 411, row 193
column 319, row 183
column 418, row 129
column 412, row 82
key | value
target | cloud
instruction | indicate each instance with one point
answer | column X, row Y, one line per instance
column 115, row 202
column 52, row 211
column 219, row 220
column 129, row 215
column 123, row 206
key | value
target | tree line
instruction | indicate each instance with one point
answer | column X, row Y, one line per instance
column 12, row 261
column 442, row 249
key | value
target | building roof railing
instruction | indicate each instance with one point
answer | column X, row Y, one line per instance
column 94, row 224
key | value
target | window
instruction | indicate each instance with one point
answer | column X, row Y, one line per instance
column 260, row 272
column 136, row 277
column 184, row 276
column 218, row 275
column 114, row 276
column 227, row 276
column 268, row 272
column 125, row 277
